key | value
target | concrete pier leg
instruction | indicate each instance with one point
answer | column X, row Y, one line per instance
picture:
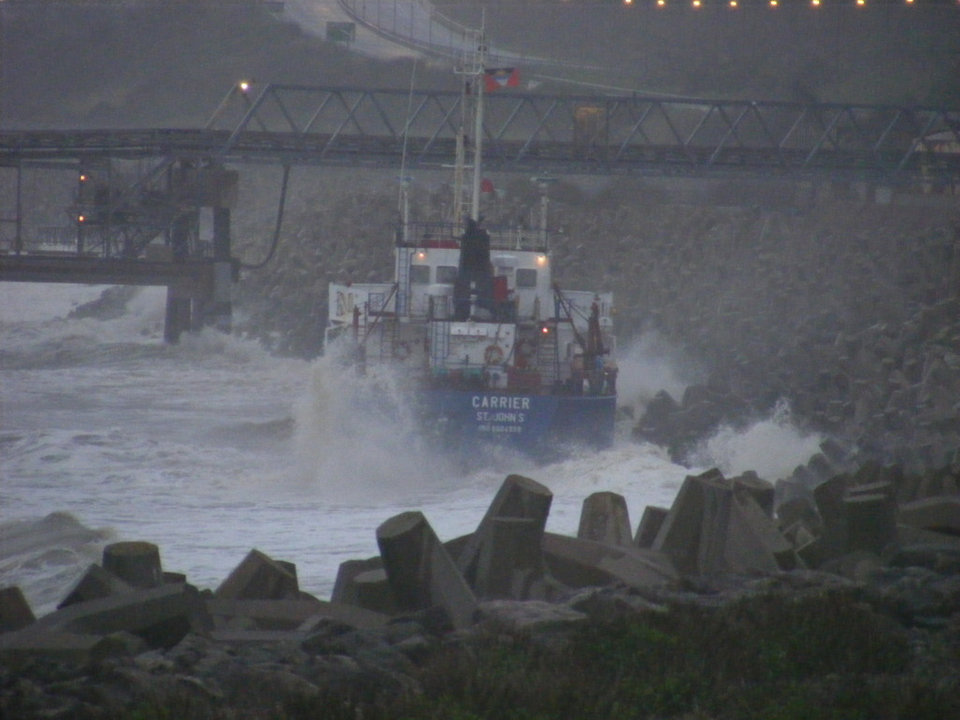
column 421, row 573
column 136, row 563
column 218, row 312
column 178, row 317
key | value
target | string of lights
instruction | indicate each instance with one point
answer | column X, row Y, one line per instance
column 792, row 3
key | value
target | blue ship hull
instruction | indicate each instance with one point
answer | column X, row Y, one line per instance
column 541, row 426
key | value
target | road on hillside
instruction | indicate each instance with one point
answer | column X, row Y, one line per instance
column 389, row 29
column 402, row 24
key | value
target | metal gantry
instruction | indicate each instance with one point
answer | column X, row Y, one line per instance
column 140, row 193
column 562, row 134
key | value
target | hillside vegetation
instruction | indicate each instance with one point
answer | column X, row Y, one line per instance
column 83, row 64
column 890, row 53
column 75, row 65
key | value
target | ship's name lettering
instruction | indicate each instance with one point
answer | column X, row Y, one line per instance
column 501, row 402
column 510, row 417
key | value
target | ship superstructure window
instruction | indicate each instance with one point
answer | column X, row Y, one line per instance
column 446, row 274
column 526, row 278
column 420, row 274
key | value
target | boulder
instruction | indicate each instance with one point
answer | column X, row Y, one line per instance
column 529, row 615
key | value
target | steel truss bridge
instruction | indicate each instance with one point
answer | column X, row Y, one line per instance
column 563, row 134
column 139, row 193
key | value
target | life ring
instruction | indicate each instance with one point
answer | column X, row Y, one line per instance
column 401, row 351
column 493, row 355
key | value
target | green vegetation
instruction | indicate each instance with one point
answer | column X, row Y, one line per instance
column 760, row 658
column 828, row 656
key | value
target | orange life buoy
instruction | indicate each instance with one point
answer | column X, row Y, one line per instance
column 493, row 355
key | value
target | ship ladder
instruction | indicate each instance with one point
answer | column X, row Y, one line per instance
column 549, row 358
column 439, row 342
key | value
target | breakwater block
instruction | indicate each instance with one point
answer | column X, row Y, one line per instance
column 586, row 563
column 650, row 523
column 137, row 563
column 605, row 518
column 421, row 573
column 829, row 496
column 372, row 591
column 18, row 648
column 259, row 577
column 363, row 583
column 518, row 497
column 679, row 536
column 753, row 540
column 289, row 614
column 762, row 491
column 161, row 616
column 799, row 510
column 15, row 612
column 511, row 560
column 716, row 525
column 344, row 590
column 95, row 583
column 935, row 513
column 871, row 520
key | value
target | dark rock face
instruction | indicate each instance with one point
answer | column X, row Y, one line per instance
column 843, row 310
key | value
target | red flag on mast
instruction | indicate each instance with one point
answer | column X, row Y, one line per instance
column 501, row 77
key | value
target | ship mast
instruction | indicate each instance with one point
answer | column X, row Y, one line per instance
column 478, row 127
column 472, row 68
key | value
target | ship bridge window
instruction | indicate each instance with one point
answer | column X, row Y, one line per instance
column 420, row 274
column 526, row 278
column 446, row 274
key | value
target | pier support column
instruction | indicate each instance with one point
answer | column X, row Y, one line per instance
column 219, row 311
column 178, row 316
column 179, row 313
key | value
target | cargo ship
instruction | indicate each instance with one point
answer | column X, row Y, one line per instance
column 489, row 349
